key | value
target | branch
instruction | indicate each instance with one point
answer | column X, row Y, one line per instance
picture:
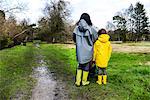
column 20, row 33
column 11, row 9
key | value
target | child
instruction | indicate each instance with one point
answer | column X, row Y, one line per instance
column 102, row 53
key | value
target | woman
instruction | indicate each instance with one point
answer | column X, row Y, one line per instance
column 84, row 36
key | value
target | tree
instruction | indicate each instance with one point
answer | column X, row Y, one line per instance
column 121, row 25
column 121, row 22
column 141, row 20
column 57, row 12
column 131, row 24
column 2, row 21
column 2, row 17
column 110, row 26
column 8, row 7
column 9, row 27
column 43, row 30
column 7, row 31
column 3, row 40
column 130, row 19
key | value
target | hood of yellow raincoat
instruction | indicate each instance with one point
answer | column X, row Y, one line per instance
column 104, row 38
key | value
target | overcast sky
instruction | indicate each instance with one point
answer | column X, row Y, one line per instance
column 100, row 11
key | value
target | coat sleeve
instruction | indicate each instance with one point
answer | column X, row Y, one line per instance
column 94, row 52
column 94, row 34
column 109, row 51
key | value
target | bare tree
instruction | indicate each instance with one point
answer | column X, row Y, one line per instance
column 8, row 7
column 9, row 27
column 110, row 26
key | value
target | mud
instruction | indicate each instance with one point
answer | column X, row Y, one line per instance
column 47, row 86
column 44, row 89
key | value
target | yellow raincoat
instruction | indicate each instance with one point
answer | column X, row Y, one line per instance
column 102, row 51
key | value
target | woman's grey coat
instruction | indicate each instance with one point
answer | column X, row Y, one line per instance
column 85, row 37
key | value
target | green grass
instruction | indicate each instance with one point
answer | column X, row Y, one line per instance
column 128, row 74
column 15, row 72
column 128, row 79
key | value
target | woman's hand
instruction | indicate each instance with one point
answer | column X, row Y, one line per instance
column 93, row 62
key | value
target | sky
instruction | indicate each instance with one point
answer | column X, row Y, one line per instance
column 100, row 11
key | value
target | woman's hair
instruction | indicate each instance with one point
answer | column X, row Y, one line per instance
column 87, row 18
column 102, row 31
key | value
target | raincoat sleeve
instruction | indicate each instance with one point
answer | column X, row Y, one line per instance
column 94, row 52
column 95, row 37
column 109, row 51
column 94, row 34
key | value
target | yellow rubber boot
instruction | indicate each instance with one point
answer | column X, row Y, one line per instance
column 84, row 78
column 104, row 79
column 99, row 81
column 78, row 77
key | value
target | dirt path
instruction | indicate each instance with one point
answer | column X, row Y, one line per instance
column 130, row 49
column 122, row 48
column 47, row 87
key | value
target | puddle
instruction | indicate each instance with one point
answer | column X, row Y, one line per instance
column 45, row 87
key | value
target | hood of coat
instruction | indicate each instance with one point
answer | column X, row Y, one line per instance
column 83, row 26
column 104, row 38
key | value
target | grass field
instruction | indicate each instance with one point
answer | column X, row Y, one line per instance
column 128, row 73
column 15, row 69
